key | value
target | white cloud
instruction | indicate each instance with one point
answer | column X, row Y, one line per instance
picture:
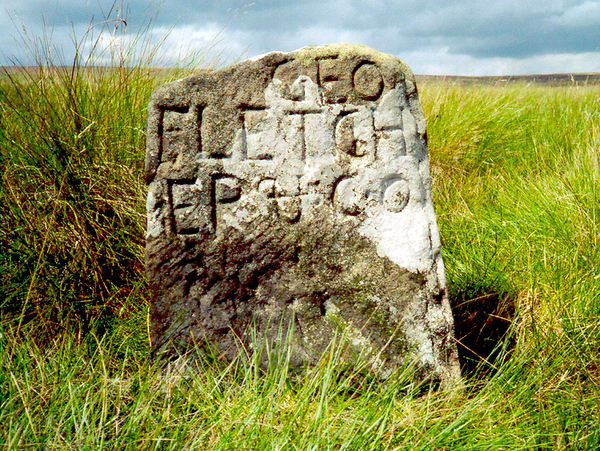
column 185, row 42
column 442, row 62
column 585, row 15
column 556, row 63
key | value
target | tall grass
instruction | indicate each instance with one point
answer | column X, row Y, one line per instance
column 515, row 176
column 72, row 137
column 516, row 172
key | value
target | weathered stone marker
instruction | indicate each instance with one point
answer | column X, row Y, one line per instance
column 293, row 191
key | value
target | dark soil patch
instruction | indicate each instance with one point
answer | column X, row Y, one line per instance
column 482, row 318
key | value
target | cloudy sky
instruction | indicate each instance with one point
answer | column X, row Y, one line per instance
column 444, row 37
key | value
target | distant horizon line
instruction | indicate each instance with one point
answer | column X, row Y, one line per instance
column 545, row 76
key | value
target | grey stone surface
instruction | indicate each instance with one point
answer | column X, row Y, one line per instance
column 292, row 193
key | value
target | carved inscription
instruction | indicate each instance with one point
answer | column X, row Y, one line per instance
column 180, row 141
column 368, row 81
column 195, row 203
column 338, row 84
column 305, row 135
column 190, row 202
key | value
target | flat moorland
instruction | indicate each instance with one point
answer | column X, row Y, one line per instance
column 565, row 79
column 516, row 187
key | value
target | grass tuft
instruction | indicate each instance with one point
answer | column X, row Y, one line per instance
column 72, row 199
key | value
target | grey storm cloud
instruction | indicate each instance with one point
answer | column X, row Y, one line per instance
column 431, row 33
column 479, row 28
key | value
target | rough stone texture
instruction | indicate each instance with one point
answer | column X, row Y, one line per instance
column 293, row 190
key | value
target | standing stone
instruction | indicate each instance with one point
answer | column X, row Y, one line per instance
column 291, row 194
